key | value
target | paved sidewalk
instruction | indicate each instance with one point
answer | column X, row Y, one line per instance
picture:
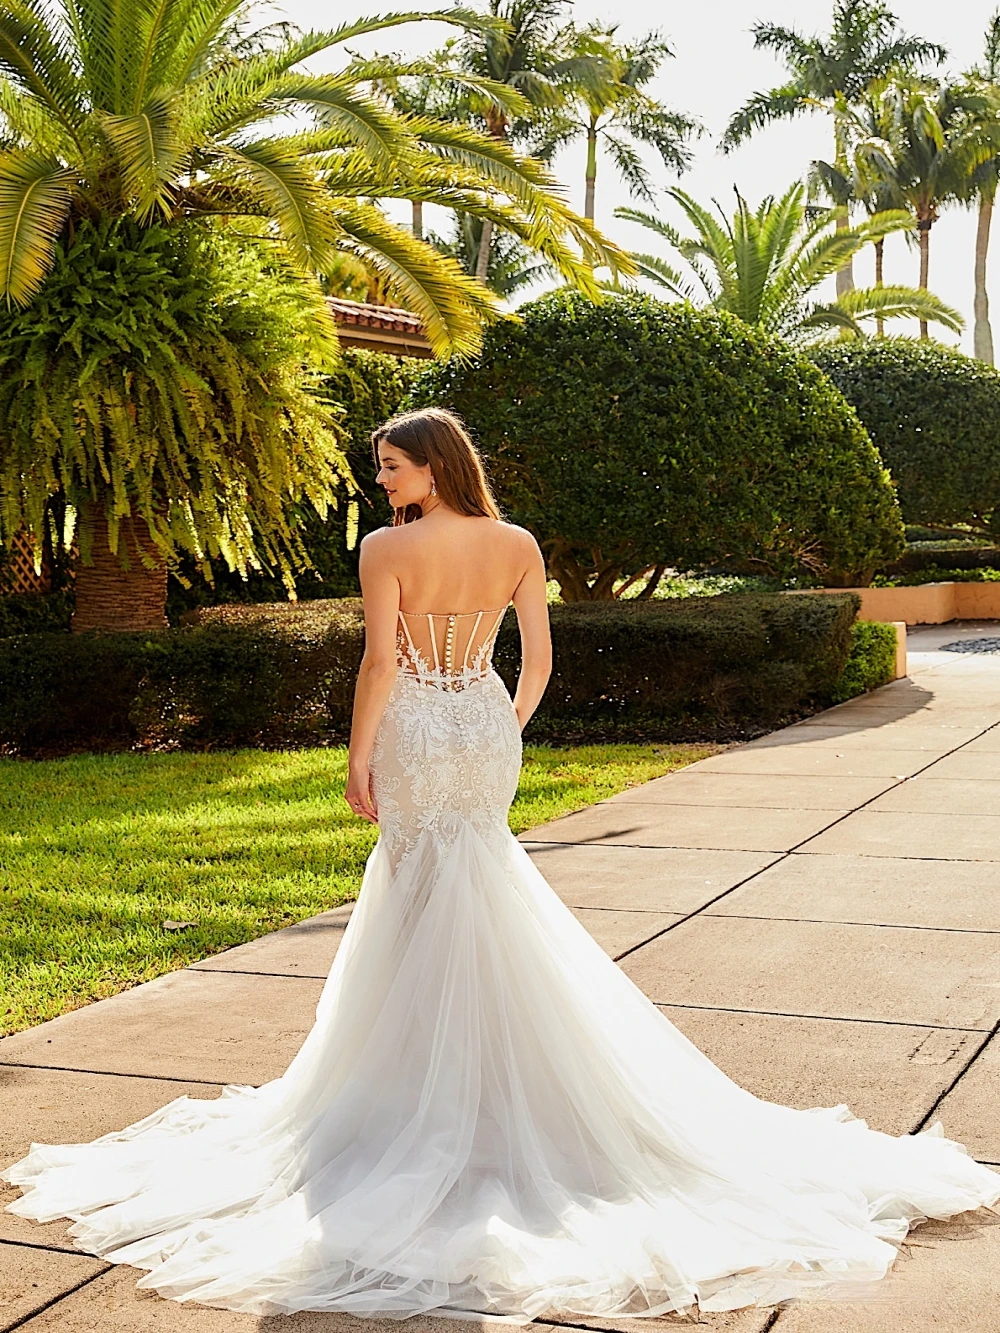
column 819, row 910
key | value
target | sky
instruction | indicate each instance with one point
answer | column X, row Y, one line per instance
column 714, row 71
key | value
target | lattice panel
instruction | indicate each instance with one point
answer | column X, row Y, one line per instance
column 17, row 573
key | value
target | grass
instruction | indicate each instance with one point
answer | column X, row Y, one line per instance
column 97, row 851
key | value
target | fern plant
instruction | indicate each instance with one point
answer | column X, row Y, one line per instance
column 164, row 376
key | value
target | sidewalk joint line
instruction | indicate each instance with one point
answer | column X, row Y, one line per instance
column 40, row 1245
column 875, row 925
column 823, row 1018
column 946, row 1092
column 47, row 1305
column 116, row 1073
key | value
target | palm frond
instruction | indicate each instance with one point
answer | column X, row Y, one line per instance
column 151, row 155
column 34, row 202
column 453, row 306
column 294, row 194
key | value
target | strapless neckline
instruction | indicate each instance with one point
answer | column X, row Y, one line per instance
column 455, row 615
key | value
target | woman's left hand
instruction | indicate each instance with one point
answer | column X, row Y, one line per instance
column 359, row 795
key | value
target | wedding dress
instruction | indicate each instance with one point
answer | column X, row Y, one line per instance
column 488, row 1117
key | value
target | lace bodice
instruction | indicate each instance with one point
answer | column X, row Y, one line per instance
column 447, row 649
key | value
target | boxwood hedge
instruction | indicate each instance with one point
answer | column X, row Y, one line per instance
column 629, row 433
column 283, row 674
column 934, row 415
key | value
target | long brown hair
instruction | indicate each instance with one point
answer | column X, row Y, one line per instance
column 435, row 436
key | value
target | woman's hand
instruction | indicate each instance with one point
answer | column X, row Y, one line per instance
column 359, row 795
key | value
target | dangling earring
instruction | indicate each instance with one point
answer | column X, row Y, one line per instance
column 434, row 490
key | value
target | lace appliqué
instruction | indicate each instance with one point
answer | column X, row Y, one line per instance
column 447, row 750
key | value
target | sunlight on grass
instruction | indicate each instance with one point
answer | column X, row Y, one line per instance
column 97, row 851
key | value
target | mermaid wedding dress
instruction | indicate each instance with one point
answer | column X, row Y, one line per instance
column 488, row 1117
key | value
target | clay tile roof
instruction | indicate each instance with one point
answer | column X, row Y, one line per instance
column 363, row 315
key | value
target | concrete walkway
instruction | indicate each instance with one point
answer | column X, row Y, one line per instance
column 819, row 910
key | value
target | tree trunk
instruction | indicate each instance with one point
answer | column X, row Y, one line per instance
column 483, row 257
column 845, row 276
column 982, row 333
column 417, row 226
column 588, row 203
column 114, row 599
column 879, row 262
column 924, row 232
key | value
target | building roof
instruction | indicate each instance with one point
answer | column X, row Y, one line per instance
column 379, row 328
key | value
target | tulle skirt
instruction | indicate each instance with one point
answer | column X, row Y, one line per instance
column 489, row 1118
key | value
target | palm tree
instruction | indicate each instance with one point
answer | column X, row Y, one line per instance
column 613, row 111
column 169, row 112
column 983, row 193
column 129, row 131
column 525, row 52
column 858, row 181
column 513, row 265
column 936, row 137
column 764, row 266
column 831, row 74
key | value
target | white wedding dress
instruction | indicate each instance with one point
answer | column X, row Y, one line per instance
column 488, row 1117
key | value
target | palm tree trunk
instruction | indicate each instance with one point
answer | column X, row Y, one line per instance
column 417, row 226
column 879, row 262
column 982, row 333
column 924, row 232
column 588, row 203
column 114, row 599
column 845, row 276
column 483, row 257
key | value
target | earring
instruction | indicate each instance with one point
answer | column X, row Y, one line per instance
column 433, row 487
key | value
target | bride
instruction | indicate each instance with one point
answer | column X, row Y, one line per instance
column 488, row 1118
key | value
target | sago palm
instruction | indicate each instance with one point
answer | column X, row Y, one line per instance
column 163, row 110
column 830, row 74
column 765, row 265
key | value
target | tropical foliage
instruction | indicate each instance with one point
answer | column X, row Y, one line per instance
column 159, row 376
column 765, row 265
column 831, row 74
column 934, row 415
column 613, row 110
column 629, row 434
column 163, row 112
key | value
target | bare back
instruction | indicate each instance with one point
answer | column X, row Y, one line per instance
column 441, row 586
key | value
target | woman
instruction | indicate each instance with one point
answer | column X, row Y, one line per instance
column 488, row 1117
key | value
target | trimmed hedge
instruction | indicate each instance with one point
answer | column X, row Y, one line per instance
column 709, row 667
column 934, row 415
column 872, row 660
column 628, row 433
column 949, row 558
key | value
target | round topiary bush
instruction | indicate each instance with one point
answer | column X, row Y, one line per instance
column 628, row 433
column 934, row 416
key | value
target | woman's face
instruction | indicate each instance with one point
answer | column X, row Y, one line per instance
column 405, row 482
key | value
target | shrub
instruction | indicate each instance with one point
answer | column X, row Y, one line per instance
column 629, row 433
column 871, row 662
column 934, row 415
column 949, row 558
column 284, row 674
column 937, row 574
column 366, row 388
column 35, row 612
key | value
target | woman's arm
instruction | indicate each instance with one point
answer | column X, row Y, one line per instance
column 532, row 609
column 380, row 592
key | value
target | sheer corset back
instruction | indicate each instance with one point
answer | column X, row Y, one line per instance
column 448, row 649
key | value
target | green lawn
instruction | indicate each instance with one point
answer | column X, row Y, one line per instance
column 96, row 852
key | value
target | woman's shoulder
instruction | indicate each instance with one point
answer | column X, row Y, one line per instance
column 520, row 536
